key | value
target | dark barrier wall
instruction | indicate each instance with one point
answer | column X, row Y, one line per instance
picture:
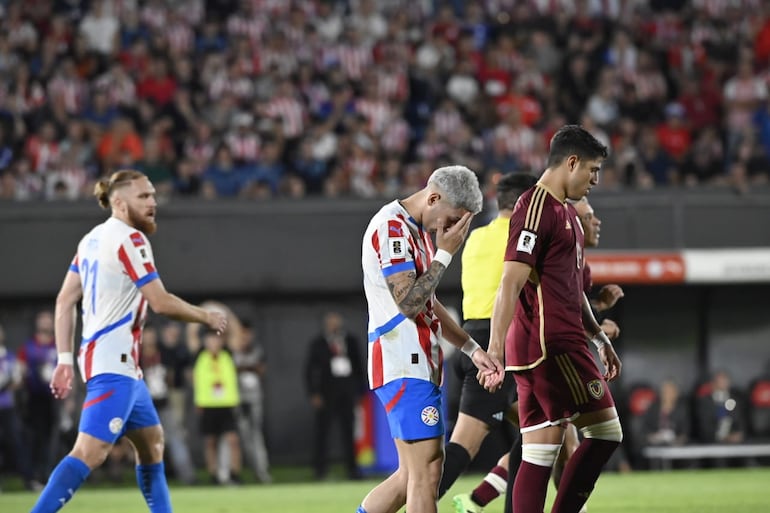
column 314, row 246
column 281, row 265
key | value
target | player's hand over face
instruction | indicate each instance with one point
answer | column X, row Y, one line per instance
column 608, row 296
column 61, row 381
column 610, row 328
column 217, row 320
column 450, row 239
column 611, row 361
column 491, row 371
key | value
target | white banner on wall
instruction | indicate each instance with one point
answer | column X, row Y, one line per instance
column 727, row 265
column 737, row 265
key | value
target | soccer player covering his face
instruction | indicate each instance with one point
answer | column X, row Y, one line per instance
column 401, row 271
column 113, row 275
column 556, row 377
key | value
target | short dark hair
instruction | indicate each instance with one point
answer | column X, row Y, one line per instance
column 510, row 187
column 574, row 140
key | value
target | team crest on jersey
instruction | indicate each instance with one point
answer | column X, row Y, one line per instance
column 116, row 425
column 429, row 416
column 397, row 247
column 526, row 242
column 595, row 388
column 137, row 239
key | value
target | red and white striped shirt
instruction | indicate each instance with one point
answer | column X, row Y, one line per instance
column 376, row 112
column 291, row 113
column 114, row 261
column 244, row 147
column 250, row 27
column 180, row 38
column 519, row 141
column 71, row 91
column 354, row 60
column 399, row 347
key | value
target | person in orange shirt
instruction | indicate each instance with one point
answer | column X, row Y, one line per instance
column 119, row 141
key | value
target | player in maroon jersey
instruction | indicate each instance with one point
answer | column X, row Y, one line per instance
column 555, row 373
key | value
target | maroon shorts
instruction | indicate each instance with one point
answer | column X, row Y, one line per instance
column 560, row 388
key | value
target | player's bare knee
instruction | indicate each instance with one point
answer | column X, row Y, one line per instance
column 148, row 444
column 91, row 451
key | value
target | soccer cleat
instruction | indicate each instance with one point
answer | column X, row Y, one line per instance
column 463, row 503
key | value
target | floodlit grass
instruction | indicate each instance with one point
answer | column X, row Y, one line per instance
column 706, row 491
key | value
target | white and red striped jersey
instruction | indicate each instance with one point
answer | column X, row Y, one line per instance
column 399, row 347
column 114, row 261
column 291, row 113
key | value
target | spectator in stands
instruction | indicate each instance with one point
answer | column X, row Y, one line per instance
column 118, row 143
column 393, row 63
column 667, row 420
column 223, row 178
column 719, row 411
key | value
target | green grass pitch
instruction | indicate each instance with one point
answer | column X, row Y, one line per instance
column 705, row 491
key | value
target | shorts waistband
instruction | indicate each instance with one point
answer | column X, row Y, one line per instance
column 476, row 324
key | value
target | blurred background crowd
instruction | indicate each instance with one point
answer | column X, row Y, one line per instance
column 364, row 98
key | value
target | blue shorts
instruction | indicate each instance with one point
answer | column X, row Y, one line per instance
column 413, row 407
column 115, row 404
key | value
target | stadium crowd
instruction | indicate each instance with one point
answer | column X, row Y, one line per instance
column 267, row 98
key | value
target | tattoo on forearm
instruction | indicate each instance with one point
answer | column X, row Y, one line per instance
column 411, row 294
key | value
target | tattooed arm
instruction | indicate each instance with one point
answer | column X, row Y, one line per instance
column 411, row 293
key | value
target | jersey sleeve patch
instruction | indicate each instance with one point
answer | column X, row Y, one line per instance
column 397, row 247
column 526, row 242
column 393, row 244
column 137, row 239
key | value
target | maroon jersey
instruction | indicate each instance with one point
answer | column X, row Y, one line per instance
column 546, row 234
column 586, row 281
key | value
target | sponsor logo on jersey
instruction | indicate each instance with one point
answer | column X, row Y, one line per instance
column 429, row 416
column 498, row 416
column 595, row 388
column 526, row 242
column 137, row 239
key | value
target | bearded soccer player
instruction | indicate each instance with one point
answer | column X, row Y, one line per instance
column 114, row 275
column 556, row 376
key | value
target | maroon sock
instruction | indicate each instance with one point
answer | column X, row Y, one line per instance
column 491, row 487
column 530, row 488
column 580, row 474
